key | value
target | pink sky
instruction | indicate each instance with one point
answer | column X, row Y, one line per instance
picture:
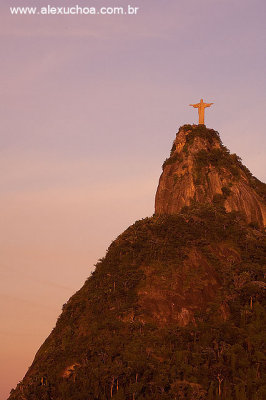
column 90, row 107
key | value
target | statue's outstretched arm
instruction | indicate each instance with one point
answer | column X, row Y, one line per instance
column 208, row 104
column 194, row 105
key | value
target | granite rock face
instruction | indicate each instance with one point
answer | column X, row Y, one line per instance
column 201, row 169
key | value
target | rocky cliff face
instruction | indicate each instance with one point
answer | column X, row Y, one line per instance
column 201, row 169
column 175, row 308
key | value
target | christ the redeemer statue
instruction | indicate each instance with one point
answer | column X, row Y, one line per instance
column 201, row 109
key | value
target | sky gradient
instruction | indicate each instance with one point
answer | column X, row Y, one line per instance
column 90, row 107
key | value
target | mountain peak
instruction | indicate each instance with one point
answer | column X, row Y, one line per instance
column 201, row 169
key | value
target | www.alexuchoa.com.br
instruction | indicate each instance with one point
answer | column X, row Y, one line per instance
column 74, row 10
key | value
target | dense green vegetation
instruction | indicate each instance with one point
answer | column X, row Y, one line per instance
column 202, row 132
column 117, row 353
column 219, row 158
column 174, row 157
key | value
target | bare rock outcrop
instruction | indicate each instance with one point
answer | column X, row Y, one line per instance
column 201, row 169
